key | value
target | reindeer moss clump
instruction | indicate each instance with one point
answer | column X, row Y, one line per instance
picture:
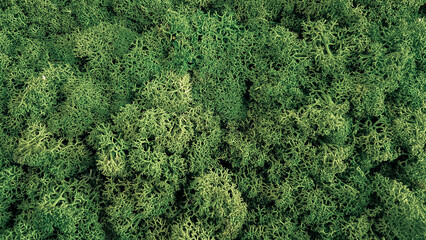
column 203, row 119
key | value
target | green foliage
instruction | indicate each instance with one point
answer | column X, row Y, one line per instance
column 286, row 74
column 4, row 94
column 376, row 142
column 201, row 119
column 37, row 147
column 188, row 230
column 410, row 127
column 60, row 48
column 100, row 45
column 87, row 13
column 47, row 17
column 412, row 92
column 83, row 104
column 13, row 18
column 154, row 138
column 264, row 224
column 144, row 61
column 170, row 93
column 9, row 191
column 327, row 9
column 404, row 217
column 36, row 140
column 133, row 204
column 218, row 204
column 145, row 13
column 325, row 36
column 61, row 209
column 35, row 101
column 7, row 145
column 166, row 130
column 216, row 86
column 392, row 11
column 111, row 159
column 171, row 124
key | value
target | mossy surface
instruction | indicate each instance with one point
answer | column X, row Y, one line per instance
column 212, row 119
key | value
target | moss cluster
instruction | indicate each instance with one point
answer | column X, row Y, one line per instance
column 212, row 119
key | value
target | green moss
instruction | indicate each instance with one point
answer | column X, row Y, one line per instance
column 201, row 119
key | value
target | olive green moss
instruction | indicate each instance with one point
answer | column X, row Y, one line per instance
column 212, row 119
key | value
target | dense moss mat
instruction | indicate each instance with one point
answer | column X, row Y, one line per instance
column 203, row 119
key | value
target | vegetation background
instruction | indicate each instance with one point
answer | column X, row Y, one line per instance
column 204, row 119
